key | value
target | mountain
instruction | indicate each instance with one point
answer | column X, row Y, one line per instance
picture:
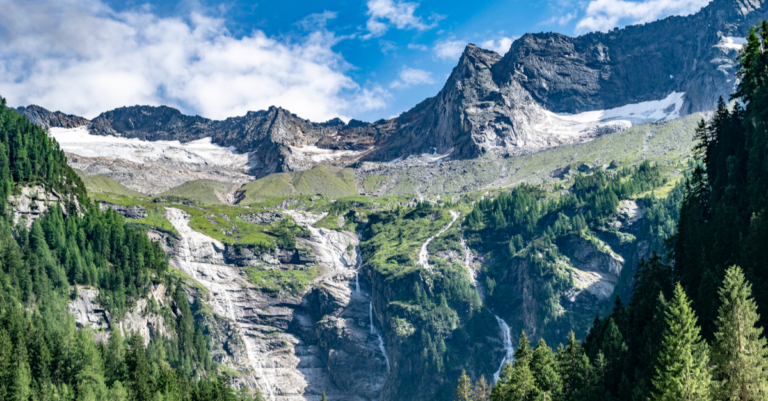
column 525, row 196
column 692, row 55
column 547, row 90
column 46, row 119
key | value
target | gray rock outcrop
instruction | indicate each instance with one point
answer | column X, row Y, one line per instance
column 31, row 203
column 50, row 119
column 279, row 341
column 131, row 212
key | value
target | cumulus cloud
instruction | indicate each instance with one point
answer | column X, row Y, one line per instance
column 82, row 57
column 411, row 76
column 500, row 46
column 381, row 13
column 450, row 49
column 602, row 15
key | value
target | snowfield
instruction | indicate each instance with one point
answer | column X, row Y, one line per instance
column 572, row 126
column 80, row 142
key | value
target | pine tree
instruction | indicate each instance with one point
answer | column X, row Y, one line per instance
column 482, row 390
column 324, row 398
column 681, row 370
column 739, row 350
column 464, row 388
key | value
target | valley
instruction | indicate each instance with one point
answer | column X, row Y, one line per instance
column 565, row 195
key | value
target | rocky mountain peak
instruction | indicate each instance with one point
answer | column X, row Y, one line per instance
column 47, row 119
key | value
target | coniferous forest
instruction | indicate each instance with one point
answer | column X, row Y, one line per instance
column 693, row 329
column 43, row 355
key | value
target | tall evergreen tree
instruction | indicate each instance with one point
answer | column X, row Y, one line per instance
column 739, row 350
column 545, row 372
column 681, row 370
column 464, row 388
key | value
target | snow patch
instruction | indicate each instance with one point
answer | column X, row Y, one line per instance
column 567, row 128
column 636, row 113
column 319, row 155
column 79, row 141
column 731, row 42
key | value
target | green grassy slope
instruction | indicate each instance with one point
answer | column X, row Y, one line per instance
column 322, row 180
column 102, row 183
column 667, row 143
column 204, row 191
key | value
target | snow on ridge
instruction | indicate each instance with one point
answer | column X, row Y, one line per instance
column 79, row 141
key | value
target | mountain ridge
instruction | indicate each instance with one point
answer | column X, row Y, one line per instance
column 549, row 89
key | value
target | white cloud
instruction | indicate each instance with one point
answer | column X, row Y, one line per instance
column 450, row 49
column 411, row 76
column 82, row 57
column 399, row 14
column 500, row 46
column 561, row 20
column 602, row 15
column 415, row 46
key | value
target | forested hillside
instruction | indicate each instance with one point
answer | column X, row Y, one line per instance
column 693, row 329
column 43, row 356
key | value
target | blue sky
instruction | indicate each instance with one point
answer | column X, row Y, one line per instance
column 365, row 59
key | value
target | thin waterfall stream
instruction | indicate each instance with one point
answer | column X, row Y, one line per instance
column 503, row 326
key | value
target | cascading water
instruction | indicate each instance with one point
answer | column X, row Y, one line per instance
column 370, row 312
column 507, row 347
column 381, row 340
column 357, row 268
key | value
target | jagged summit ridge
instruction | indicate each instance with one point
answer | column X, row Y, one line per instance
column 549, row 89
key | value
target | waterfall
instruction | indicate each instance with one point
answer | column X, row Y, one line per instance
column 381, row 340
column 383, row 350
column 370, row 312
column 357, row 268
column 507, row 347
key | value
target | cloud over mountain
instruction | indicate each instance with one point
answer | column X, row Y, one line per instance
column 90, row 58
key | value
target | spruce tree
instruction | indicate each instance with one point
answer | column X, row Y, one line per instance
column 545, row 371
column 464, row 388
column 681, row 370
column 575, row 369
column 739, row 350
column 324, row 398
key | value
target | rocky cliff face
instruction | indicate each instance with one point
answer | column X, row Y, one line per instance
column 692, row 55
column 290, row 346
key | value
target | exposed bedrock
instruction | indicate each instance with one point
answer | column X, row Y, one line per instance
column 292, row 347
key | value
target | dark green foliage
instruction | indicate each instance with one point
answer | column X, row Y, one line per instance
column 29, row 157
column 723, row 217
column 43, row 356
column 520, row 233
column 739, row 349
column 681, row 370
